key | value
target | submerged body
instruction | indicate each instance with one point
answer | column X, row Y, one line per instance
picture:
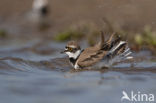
column 103, row 54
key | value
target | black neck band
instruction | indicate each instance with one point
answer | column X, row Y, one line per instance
column 73, row 60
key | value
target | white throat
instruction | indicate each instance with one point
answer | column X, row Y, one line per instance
column 73, row 55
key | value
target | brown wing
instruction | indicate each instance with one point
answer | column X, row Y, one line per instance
column 110, row 42
column 90, row 56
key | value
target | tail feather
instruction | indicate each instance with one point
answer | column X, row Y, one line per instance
column 118, row 53
column 128, row 54
column 118, row 47
column 115, row 42
column 110, row 43
column 110, row 39
column 102, row 40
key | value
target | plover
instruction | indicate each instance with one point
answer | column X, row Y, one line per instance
column 103, row 54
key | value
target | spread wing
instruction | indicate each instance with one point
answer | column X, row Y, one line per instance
column 90, row 56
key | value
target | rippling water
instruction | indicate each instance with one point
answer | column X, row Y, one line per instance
column 33, row 73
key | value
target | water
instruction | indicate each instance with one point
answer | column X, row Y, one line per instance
column 42, row 75
column 33, row 71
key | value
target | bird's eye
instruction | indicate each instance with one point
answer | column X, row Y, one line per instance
column 70, row 49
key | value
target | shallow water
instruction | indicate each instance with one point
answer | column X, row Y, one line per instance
column 32, row 73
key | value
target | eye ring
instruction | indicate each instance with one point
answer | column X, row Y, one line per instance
column 70, row 49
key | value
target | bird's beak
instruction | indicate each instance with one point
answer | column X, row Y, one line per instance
column 63, row 51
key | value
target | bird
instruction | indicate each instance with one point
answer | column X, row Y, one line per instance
column 103, row 54
column 40, row 7
column 39, row 12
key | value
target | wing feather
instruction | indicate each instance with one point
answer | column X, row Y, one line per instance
column 91, row 59
column 92, row 55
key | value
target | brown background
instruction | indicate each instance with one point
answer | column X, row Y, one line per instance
column 128, row 14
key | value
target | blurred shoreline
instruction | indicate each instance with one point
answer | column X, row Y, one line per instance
column 134, row 20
